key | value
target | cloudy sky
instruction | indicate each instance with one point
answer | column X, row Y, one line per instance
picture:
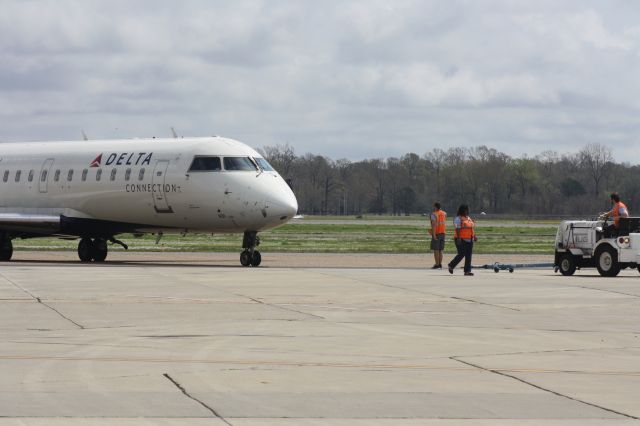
column 345, row 79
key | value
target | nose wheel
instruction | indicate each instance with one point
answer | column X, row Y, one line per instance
column 250, row 259
column 250, row 256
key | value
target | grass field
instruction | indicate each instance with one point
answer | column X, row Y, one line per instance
column 343, row 235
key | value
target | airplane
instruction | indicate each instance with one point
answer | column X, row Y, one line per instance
column 95, row 190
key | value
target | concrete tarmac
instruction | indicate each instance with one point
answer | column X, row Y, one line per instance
column 178, row 342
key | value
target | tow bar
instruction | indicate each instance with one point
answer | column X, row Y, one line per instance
column 497, row 266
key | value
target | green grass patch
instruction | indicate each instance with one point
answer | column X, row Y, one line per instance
column 339, row 237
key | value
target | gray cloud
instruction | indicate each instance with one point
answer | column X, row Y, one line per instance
column 350, row 79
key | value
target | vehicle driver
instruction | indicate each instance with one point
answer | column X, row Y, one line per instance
column 619, row 209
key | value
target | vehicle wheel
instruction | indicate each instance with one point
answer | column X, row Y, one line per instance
column 6, row 250
column 245, row 258
column 100, row 250
column 85, row 250
column 567, row 264
column 256, row 259
column 607, row 261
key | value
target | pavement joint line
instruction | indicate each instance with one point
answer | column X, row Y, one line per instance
column 188, row 395
column 423, row 292
column 472, row 367
column 502, row 373
column 277, row 306
column 39, row 300
column 609, row 291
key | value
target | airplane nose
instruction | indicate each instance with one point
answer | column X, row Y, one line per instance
column 283, row 204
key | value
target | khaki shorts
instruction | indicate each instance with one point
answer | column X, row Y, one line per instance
column 437, row 243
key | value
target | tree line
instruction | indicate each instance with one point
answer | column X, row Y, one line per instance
column 482, row 177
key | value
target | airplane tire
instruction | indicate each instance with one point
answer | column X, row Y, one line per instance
column 567, row 264
column 607, row 261
column 85, row 250
column 6, row 250
column 256, row 259
column 245, row 258
column 100, row 250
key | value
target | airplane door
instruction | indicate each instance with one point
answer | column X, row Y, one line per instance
column 159, row 195
column 43, row 179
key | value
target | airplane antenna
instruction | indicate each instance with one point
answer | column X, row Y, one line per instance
column 173, row 131
column 84, row 136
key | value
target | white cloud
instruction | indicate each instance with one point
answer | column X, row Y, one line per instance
column 338, row 78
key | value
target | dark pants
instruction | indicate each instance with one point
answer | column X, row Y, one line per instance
column 465, row 250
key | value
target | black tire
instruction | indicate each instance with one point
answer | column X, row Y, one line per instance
column 245, row 258
column 85, row 250
column 256, row 259
column 6, row 250
column 567, row 264
column 606, row 259
column 100, row 250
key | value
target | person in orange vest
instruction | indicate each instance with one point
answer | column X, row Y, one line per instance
column 619, row 209
column 438, row 231
column 464, row 236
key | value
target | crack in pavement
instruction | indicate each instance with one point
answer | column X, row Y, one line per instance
column 502, row 373
column 39, row 300
column 188, row 395
column 59, row 313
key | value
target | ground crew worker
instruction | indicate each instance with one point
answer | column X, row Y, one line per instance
column 619, row 210
column 463, row 235
column 438, row 231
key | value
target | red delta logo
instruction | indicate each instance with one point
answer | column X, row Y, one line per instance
column 96, row 162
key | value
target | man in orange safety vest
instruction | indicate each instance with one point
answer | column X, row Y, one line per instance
column 438, row 231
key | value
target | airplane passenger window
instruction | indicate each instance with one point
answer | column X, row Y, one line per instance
column 127, row 175
column 18, row 174
column 264, row 165
column 205, row 164
column 43, row 176
column 113, row 174
column 70, row 175
column 56, row 177
column 239, row 163
column 84, row 174
column 30, row 178
column 141, row 174
column 6, row 176
column 98, row 174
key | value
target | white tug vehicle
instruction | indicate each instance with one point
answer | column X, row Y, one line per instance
column 587, row 244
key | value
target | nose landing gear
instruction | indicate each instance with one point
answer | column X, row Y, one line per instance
column 250, row 256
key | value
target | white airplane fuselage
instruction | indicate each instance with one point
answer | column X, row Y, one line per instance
column 97, row 189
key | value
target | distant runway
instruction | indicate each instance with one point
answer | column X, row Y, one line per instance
column 193, row 339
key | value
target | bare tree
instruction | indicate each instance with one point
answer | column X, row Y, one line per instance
column 595, row 159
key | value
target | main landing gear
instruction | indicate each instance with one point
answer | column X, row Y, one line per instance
column 6, row 247
column 250, row 256
column 95, row 250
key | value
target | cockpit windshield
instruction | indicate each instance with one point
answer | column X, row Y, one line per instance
column 205, row 164
column 264, row 164
column 239, row 163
